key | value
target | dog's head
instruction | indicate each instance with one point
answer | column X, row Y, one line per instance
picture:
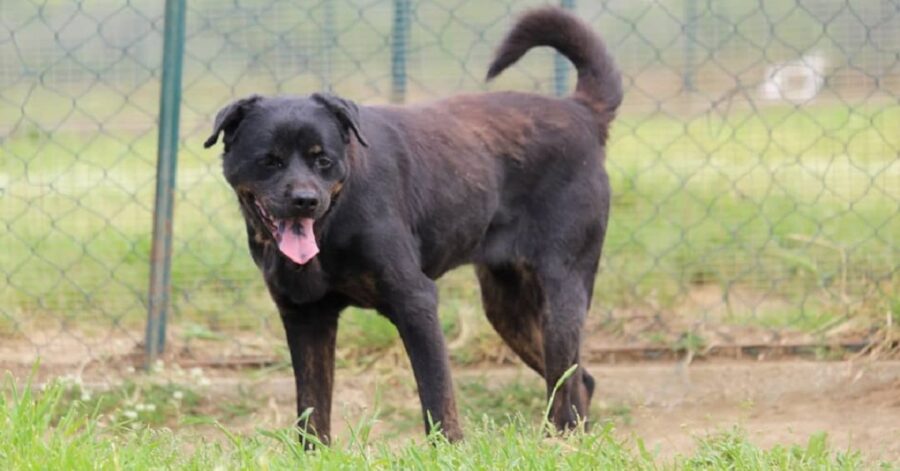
column 287, row 160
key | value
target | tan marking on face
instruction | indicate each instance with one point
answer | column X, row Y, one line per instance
column 315, row 150
column 336, row 189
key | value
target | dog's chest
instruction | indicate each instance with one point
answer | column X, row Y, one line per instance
column 288, row 281
column 360, row 289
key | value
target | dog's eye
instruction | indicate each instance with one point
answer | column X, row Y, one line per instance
column 323, row 162
column 273, row 161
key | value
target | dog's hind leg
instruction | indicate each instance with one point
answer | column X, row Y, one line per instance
column 588, row 380
column 567, row 303
column 513, row 303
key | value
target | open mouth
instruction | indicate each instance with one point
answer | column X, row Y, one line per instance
column 295, row 237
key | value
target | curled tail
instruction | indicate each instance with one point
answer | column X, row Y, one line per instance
column 599, row 83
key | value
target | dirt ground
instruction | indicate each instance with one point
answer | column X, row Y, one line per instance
column 666, row 404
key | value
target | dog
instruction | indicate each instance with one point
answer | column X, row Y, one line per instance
column 349, row 205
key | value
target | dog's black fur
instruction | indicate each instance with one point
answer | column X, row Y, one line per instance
column 513, row 183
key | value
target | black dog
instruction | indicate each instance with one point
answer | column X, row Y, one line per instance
column 366, row 206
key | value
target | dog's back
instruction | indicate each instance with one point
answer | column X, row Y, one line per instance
column 485, row 174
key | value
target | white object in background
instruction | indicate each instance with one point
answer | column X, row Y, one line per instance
column 796, row 81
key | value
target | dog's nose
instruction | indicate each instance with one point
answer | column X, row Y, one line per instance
column 305, row 200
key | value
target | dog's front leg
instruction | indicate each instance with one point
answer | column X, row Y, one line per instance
column 311, row 333
column 412, row 307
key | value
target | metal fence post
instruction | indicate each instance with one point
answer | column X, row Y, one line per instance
column 560, row 64
column 329, row 39
column 399, row 44
column 690, row 20
column 167, row 154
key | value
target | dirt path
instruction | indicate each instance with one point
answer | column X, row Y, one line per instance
column 668, row 405
column 776, row 403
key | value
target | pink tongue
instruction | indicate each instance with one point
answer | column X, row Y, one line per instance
column 296, row 240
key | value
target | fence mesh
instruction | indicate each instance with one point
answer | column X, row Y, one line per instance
column 754, row 163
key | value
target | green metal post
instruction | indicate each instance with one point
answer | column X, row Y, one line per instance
column 560, row 63
column 399, row 44
column 329, row 39
column 689, row 43
column 167, row 157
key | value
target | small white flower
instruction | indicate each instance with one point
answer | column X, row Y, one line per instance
column 69, row 381
column 85, row 396
column 150, row 407
column 159, row 366
column 139, row 407
column 130, row 414
column 196, row 372
column 203, row 381
column 178, row 395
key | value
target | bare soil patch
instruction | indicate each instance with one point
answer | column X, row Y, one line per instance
column 668, row 405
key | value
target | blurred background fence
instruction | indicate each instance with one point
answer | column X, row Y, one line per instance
column 755, row 164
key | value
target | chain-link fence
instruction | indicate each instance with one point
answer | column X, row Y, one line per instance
column 755, row 163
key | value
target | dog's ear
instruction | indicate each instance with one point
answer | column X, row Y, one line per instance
column 228, row 119
column 345, row 111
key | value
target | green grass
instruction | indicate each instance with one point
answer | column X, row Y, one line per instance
column 790, row 215
column 52, row 430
